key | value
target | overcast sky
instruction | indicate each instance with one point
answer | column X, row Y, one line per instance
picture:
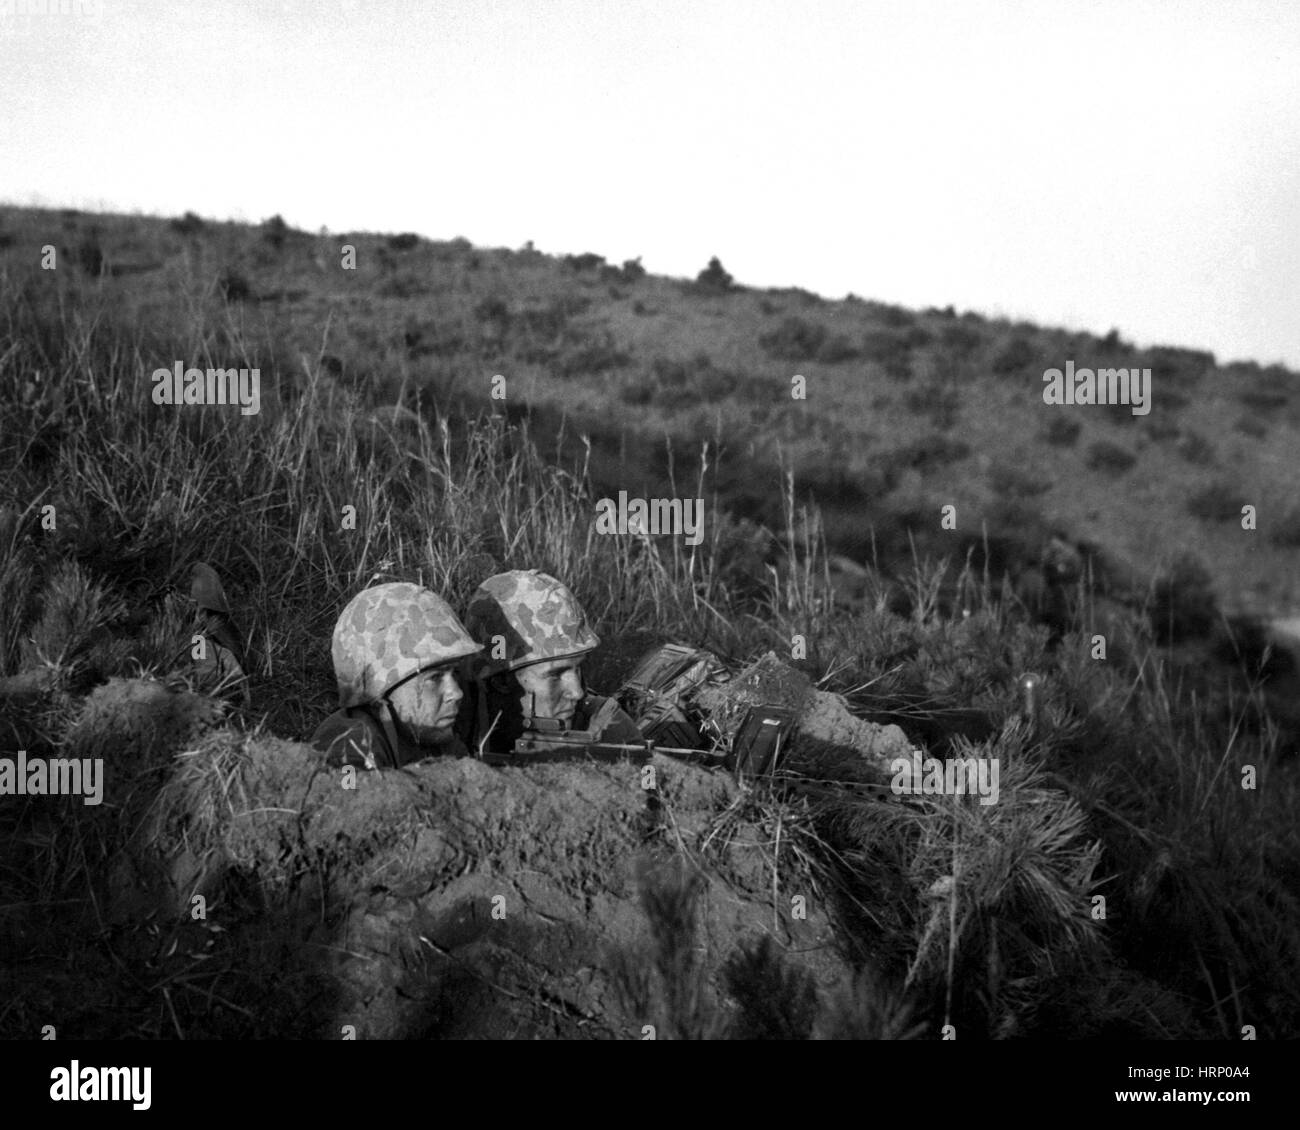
column 1090, row 164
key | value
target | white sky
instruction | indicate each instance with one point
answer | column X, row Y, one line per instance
column 1090, row 164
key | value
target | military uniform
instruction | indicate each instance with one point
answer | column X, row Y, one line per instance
column 385, row 636
column 523, row 617
column 357, row 736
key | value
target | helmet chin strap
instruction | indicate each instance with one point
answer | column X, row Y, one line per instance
column 390, row 730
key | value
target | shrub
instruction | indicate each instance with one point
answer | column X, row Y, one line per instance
column 89, row 257
column 941, row 405
column 1196, row 449
column 594, row 357
column 1162, row 427
column 188, row 224
column 1220, row 501
column 1113, row 343
column 587, row 261
column 1263, row 399
column 404, row 284
column 929, row 452
column 233, row 286
column 1183, row 605
column 835, row 349
column 893, row 317
column 637, row 393
column 640, row 308
column 1015, row 482
column 1286, row 530
column 1063, row 432
column 423, row 339
column 1014, row 357
column 275, row 231
column 795, row 340
column 406, row 241
column 891, row 350
column 1178, row 367
column 714, row 279
column 960, row 340
column 632, row 270
column 1110, row 457
column 1249, row 426
column 493, row 309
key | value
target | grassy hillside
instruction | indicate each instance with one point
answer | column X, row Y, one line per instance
column 905, row 411
column 377, row 393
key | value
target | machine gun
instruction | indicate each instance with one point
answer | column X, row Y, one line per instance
column 764, row 731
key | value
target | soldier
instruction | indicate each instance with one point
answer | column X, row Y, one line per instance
column 395, row 649
column 535, row 637
column 223, row 663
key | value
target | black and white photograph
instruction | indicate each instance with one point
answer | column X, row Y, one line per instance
column 711, row 520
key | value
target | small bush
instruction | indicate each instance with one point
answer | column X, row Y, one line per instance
column 1110, row 457
column 714, row 279
column 493, row 310
column 1249, row 426
column 1016, row 356
column 893, row 317
column 835, row 349
column 929, row 452
column 89, row 257
column 1196, row 449
column 1286, row 529
column 595, row 357
column 1218, row 502
column 188, row 224
column 234, row 287
column 960, row 340
column 641, row 309
column 637, row 393
column 795, row 340
column 1183, row 605
column 404, row 284
column 891, row 350
column 941, row 405
column 1264, row 399
column 1015, row 482
column 406, row 241
column 1161, row 428
column 1113, row 343
column 1181, row 368
column 587, row 261
column 275, row 231
column 1062, row 432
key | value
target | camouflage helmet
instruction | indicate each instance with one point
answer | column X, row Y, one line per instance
column 536, row 616
column 390, row 632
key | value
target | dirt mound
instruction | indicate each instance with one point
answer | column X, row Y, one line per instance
column 454, row 899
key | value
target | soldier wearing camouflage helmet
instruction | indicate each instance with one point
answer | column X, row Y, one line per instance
column 534, row 636
column 395, row 649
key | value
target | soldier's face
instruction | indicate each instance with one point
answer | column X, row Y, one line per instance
column 426, row 705
column 551, row 689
